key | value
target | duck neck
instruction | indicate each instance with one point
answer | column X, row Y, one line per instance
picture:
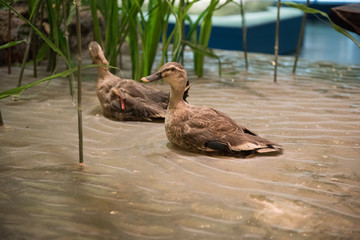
column 176, row 98
column 103, row 72
column 101, row 60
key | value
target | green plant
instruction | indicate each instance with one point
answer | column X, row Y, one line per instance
column 199, row 42
column 32, row 5
column 306, row 9
column 301, row 36
column 276, row 47
column 79, row 95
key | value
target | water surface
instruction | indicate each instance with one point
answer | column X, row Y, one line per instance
column 135, row 185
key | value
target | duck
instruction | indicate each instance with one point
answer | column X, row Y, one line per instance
column 203, row 129
column 126, row 99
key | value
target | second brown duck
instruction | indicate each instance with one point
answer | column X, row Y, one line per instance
column 126, row 99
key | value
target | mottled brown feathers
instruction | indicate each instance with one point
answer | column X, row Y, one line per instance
column 203, row 129
column 126, row 99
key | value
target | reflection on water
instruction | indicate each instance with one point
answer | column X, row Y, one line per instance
column 135, row 185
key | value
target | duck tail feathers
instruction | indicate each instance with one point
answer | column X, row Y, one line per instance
column 270, row 149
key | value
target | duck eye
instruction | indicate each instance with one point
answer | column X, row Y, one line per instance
column 172, row 69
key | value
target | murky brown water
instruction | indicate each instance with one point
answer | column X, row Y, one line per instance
column 135, row 185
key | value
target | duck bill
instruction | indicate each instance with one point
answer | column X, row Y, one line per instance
column 151, row 78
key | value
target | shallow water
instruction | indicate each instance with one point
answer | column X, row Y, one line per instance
column 135, row 185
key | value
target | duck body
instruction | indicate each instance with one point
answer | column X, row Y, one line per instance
column 126, row 99
column 206, row 130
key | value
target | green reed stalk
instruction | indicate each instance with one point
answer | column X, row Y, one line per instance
column 277, row 40
column 315, row 11
column 182, row 23
column 151, row 32
column 9, row 40
column 244, row 32
column 28, row 42
column 35, row 40
column 204, row 36
column 200, row 46
column 18, row 90
column 111, row 14
column 97, row 32
column 34, row 51
column 149, row 27
column 124, row 26
column 191, row 36
column 53, row 9
column 78, row 34
column 300, row 40
column 66, row 21
column 132, row 9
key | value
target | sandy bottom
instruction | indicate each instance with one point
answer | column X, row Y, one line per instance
column 135, row 185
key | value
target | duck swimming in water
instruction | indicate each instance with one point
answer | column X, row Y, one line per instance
column 204, row 129
column 126, row 99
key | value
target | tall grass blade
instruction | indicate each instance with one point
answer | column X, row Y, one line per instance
column 244, row 33
column 200, row 49
column 176, row 34
column 78, row 34
column 111, row 15
column 9, row 40
column 132, row 10
column 18, row 90
column 97, row 32
column 67, row 21
column 10, row 44
column 300, row 40
column 53, row 10
column 151, row 33
column 28, row 42
column 47, row 40
column 205, row 31
column 277, row 40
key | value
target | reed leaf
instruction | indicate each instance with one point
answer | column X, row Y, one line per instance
column 276, row 47
column 132, row 11
column 33, row 3
column 43, row 51
column 28, row 42
column 111, row 15
column 47, row 40
column 205, row 31
column 79, row 96
column 53, row 9
column 200, row 49
column 306, row 9
column 10, row 44
column 244, row 33
column 97, row 32
column 18, row 90
column 152, row 34
column 177, row 33
column 300, row 39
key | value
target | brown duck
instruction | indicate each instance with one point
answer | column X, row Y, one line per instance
column 126, row 99
column 203, row 129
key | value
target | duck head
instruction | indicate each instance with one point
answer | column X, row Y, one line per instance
column 173, row 73
column 97, row 54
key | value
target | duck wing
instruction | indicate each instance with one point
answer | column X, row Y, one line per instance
column 138, row 101
column 214, row 131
